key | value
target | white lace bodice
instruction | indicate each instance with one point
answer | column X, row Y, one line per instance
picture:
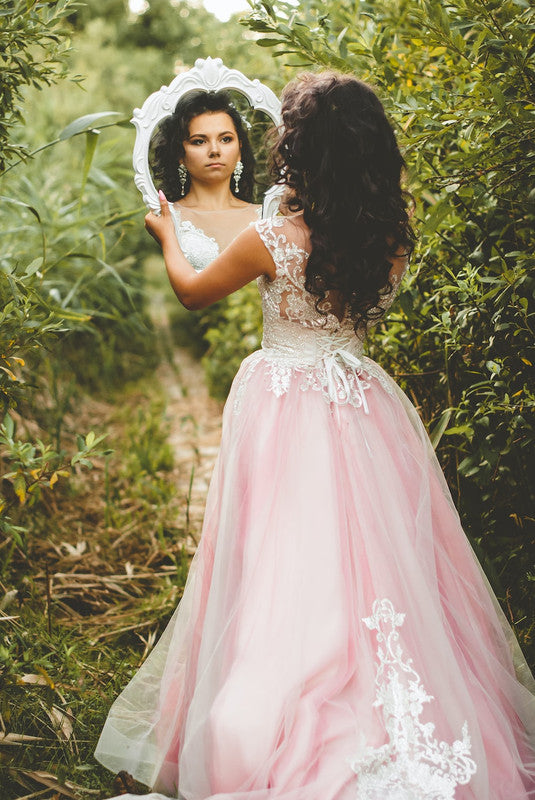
column 199, row 249
column 324, row 350
column 285, row 299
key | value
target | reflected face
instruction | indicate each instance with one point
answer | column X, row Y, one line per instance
column 212, row 148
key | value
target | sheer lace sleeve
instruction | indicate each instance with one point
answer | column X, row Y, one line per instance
column 396, row 276
column 273, row 238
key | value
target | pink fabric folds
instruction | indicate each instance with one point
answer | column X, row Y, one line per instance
column 337, row 639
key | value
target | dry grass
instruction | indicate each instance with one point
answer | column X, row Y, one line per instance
column 104, row 568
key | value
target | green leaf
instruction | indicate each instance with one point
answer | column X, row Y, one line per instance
column 268, row 42
column 85, row 123
column 498, row 95
column 91, row 139
column 438, row 431
column 9, row 425
column 21, row 203
column 33, row 267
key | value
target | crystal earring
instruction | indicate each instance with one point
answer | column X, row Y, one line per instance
column 238, row 170
column 182, row 177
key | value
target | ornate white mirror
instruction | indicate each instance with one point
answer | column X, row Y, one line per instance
column 249, row 98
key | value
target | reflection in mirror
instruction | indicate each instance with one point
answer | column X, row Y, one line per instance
column 197, row 141
column 253, row 125
column 202, row 157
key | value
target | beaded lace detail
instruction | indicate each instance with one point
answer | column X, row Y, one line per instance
column 318, row 350
column 199, row 249
column 413, row 764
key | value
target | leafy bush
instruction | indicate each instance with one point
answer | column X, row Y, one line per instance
column 233, row 330
column 69, row 296
column 33, row 44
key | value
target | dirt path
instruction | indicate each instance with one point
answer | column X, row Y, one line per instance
column 195, row 430
column 194, row 418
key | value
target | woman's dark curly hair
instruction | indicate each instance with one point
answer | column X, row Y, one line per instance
column 338, row 156
column 167, row 148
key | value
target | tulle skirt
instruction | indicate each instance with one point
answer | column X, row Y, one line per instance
column 337, row 639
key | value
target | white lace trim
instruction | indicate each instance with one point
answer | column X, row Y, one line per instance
column 244, row 380
column 413, row 765
column 198, row 248
column 281, row 374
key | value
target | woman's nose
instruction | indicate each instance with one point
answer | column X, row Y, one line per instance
column 214, row 148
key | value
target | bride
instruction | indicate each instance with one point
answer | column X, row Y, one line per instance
column 203, row 162
column 337, row 639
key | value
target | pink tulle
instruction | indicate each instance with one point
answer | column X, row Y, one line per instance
column 334, row 608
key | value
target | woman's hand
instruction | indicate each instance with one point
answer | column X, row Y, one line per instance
column 160, row 227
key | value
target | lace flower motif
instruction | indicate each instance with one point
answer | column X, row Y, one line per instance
column 199, row 249
column 413, row 765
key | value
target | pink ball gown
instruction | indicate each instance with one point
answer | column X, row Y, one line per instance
column 337, row 639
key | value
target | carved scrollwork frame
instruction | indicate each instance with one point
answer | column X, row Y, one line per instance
column 210, row 75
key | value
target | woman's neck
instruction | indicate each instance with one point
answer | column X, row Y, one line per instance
column 210, row 198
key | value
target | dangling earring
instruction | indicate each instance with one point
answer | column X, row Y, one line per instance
column 238, row 169
column 182, row 177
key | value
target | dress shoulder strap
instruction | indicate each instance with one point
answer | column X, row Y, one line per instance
column 269, row 231
column 286, row 254
column 175, row 212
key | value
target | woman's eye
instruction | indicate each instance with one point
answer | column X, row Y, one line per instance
column 226, row 139
column 197, row 141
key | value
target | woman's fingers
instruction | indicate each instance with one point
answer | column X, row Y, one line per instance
column 164, row 205
column 151, row 225
column 160, row 225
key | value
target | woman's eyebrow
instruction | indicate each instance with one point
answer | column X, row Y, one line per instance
column 204, row 135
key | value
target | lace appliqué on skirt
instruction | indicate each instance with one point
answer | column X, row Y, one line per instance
column 413, row 765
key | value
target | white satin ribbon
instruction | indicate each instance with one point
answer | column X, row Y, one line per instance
column 336, row 362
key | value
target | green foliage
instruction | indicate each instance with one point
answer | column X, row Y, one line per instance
column 458, row 82
column 31, row 469
column 150, row 451
column 69, row 295
column 221, row 335
column 33, row 44
column 232, row 330
column 83, row 604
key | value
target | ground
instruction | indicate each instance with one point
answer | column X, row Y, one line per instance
column 102, row 573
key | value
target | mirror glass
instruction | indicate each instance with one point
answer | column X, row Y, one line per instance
column 257, row 124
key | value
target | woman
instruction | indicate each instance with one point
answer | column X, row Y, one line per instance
column 204, row 163
column 337, row 639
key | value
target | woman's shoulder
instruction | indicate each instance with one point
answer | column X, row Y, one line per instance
column 284, row 236
column 290, row 225
column 268, row 225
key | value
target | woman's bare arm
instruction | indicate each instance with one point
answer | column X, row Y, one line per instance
column 241, row 262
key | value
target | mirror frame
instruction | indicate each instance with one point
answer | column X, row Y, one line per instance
column 209, row 75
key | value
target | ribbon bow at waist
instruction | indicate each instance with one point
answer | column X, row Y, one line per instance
column 331, row 357
column 337, row 362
